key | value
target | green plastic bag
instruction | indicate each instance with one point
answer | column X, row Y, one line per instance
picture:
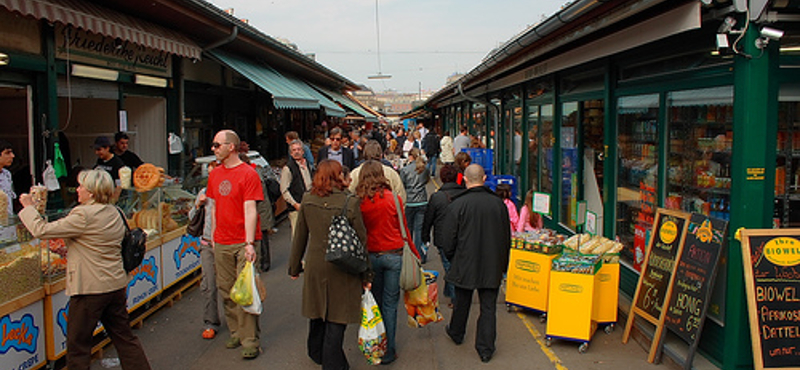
column 59, row 165
column 242, row 291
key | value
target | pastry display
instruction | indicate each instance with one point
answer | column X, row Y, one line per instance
column 148, row 177
column 159, row 218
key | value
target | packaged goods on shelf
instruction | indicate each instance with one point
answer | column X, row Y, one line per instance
column 588, row 244
column 577, row 263
column 543, row 241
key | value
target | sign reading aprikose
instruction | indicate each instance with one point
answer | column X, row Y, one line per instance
column 79, row 45
column 772, row 276
column 664, row 247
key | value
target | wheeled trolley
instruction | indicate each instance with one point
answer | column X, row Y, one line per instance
column 528, row 280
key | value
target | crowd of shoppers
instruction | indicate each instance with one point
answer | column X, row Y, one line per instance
column 377, row 179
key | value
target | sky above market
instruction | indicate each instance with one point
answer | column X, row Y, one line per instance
column 422, row 42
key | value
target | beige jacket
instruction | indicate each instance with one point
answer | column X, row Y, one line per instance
column 394, row 181
column 92, row 233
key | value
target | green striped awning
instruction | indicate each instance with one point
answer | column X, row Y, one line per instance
column 348, row 103
column 287, row 92
column 331, row 108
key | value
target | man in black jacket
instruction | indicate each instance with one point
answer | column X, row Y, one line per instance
column 336, row 151
column 434, row 217
column 477, row 237
column 431, row 148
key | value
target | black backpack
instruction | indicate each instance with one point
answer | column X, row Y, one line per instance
column 134, row 245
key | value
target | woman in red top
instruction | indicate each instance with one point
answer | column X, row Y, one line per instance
column 385, row 245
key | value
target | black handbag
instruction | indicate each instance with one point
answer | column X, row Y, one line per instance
column 197, row 223
column 134, row 245
column 345, row 249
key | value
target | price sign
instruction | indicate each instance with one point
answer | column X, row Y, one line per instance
column 771, row 261
column 541, row 203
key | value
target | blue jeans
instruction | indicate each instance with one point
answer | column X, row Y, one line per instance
column 449, row 289
column 432, row 165
column 386, row 290
column 415, row 216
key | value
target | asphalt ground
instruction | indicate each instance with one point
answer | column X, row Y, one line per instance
column 172, row 336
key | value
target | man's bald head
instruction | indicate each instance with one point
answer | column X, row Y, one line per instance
column 231, row 137
column 474, row 175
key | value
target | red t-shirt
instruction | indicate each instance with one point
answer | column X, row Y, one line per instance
column 230, row 188
column 383, row 228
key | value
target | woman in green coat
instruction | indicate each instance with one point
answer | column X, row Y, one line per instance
column 331, row 296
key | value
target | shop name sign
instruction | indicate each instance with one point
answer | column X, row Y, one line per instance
column 79, row 45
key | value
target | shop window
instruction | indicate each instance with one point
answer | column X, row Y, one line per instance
column 533, row 147
column 593, row 121
column 569, row 163
column 637, row 128
column 700, row 142
column 547, row 141
column 787, row 168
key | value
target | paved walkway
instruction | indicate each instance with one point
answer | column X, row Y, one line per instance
column 172, row 340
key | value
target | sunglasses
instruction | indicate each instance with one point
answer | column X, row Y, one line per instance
column 336, row 139
column 216, row 145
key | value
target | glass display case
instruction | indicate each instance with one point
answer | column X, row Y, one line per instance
column 20, row 261
column 162, row 213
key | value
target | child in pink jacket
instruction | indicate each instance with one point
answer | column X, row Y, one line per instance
column 504, row 192
column 528, row 219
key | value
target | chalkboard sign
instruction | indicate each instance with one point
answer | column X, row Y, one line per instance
column 657, row 272
column 694, row 280
column 772, row 277
column 655, row 282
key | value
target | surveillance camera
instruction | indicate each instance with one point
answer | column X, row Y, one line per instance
column 727, row 25
column 771, row 33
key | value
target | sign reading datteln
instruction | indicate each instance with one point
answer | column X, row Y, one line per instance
column 771, row 259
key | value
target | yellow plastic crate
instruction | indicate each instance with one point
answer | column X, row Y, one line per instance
column 606, row 294
column 570, row 306
column 528, row 279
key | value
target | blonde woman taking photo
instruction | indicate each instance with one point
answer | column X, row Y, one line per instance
column 96, row 280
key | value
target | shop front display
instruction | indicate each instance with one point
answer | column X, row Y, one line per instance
column 637, row 174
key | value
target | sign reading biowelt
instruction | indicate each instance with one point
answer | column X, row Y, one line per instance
column 145, row 281
column 22, row 338
column 181, row 256
column 771, row 259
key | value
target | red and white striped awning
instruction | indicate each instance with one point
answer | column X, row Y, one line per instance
column 94, row 18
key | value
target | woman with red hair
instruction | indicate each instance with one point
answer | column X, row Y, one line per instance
column 331, row 296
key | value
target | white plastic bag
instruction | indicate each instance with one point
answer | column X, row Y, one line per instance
column 175, row 144
column 255, row 307
column 49, row 175
column 371, row 332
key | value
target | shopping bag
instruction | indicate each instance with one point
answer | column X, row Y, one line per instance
column 417, row 297
column 242, row 291
column 255, row 307
column 424, row 314
column 371, row 333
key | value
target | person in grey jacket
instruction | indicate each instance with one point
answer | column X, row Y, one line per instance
column 208, row 282
column 415, row 177
column 477, row 242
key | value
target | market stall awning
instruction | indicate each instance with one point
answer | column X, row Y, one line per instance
column 348, row 103
column 331, row 108
column 103, row 21
column 287, row 92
